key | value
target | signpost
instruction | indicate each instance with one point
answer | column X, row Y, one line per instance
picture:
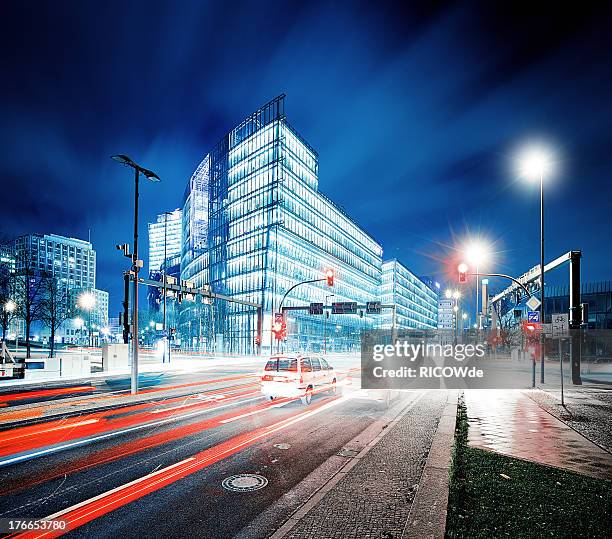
column 315, row 308
column 533, row 317
column 373, row 307
column 344, row 307
column 560, row 329
column 533, row 303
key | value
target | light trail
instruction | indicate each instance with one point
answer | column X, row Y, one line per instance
column 88, row 510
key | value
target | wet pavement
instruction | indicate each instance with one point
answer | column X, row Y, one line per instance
column 511, row 423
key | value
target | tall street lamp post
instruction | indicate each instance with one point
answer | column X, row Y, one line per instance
column 136, row 263
column 533, row 164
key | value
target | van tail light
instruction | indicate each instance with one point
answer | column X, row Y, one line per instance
column 266, row 378
column 301, row 379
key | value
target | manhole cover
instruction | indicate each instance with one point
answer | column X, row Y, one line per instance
column 282, row 446
column 348, row 453
column 245, row 482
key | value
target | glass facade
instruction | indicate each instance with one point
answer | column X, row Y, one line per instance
column 416, row 303
column 167, row 231
column 255, row 224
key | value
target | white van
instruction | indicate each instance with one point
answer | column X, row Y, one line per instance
column 297, row 376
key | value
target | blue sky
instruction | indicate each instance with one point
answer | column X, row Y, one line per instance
column 417, row 113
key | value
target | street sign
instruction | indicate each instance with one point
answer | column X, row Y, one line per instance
column 533, row 303
column 547, row 329
column 315, row 308
column 344, row 307
column 533, row 316
column 373, row 307
column 560, row 325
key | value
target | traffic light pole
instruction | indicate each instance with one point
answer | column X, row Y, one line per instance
column 206, row 293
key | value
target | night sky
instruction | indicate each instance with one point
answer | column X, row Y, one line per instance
column 417, row 114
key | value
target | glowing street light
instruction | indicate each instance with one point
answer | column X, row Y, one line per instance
column 533, row 163
column 10, row 306
column 87, row 302
column 477, row 253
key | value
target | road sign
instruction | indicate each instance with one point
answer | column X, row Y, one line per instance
column 533, row 303
column 344, row 307
column 547, row 329
column 533, row 316
column 560, row 325
column 315, row 308
column 373, row 307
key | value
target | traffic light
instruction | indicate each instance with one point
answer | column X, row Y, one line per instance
column 462, row 273
column 329, row 275
column 257, row 340
column 279, row 327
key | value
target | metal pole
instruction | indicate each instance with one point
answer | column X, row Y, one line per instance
column 542, row 311
column 134, row 377
column 164, row 277
column 394, row 325
column 477, row 313
column 561, row 368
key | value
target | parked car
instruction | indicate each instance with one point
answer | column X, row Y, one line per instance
column 298, row 375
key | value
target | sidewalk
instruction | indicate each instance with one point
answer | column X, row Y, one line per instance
column 511, row 422
column 373, row 495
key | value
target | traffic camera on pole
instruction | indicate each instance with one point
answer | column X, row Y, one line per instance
column 462, row 273
column 329, row 275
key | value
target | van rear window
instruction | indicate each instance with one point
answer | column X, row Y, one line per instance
column 282, row 364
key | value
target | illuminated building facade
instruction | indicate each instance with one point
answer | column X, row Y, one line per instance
column 255, row 224
column 267, row 228
column 165, row 235
column 416, row 302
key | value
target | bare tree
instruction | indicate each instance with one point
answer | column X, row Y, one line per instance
column 54, row 309
column 28, row 289
column 6, row 314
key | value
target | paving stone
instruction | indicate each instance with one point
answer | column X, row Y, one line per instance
column 374, row 498
column 511, row 423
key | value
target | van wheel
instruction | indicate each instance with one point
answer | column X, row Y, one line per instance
column 307, row 398
column 272, row 398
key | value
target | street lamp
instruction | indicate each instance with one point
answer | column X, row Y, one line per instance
column 87, row 301
column 477, row 253
column 136, row 264
column 533, row 163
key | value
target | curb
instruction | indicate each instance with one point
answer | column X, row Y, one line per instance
column 427, row 517
column 319, row 494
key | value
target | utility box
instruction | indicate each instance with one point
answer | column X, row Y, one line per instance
column 42, row 369
column 75, row 365
column 114, row 357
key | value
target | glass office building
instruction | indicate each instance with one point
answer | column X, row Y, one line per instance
column 267, row 228
column 165, row 235
column 416, row 302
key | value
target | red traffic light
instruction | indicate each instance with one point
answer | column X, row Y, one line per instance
column 279, row 326
column 329, row 275
column 462, row 273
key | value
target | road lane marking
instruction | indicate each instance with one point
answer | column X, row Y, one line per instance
column 201, row 401
column 170, row 475
column 85, row 441
column 236, row 418
column 67, row 426
column 117, row 489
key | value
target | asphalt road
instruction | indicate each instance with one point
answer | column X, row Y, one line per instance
column 157, row 468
